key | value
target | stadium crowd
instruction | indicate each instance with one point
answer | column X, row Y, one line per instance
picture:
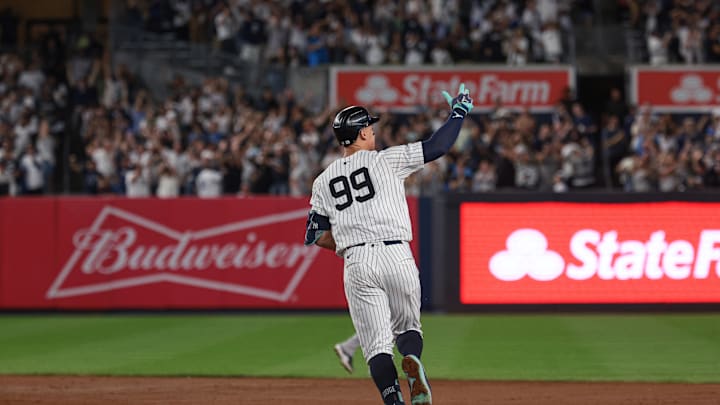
column 314, row 32
column 213, row 138
column 678, row 31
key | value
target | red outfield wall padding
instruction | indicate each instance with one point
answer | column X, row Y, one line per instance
column 115, row 253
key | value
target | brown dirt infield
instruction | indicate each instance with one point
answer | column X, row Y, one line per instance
column 62, row 390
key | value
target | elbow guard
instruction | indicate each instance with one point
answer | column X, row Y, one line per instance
column 314, row 227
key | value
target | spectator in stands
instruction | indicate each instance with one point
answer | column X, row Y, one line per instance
column 712, row 44
column 408, row 33
column 416, row 49
column 137, row 182
column 549, row 162
column 213, row 139
column 46, row 151
column 577, row 165
column 7, row 174
column 32, row 77
column 615, row 144
column 504, row 167
column 527, row 173
column 668, row 173
column 677, row 31
column 278, row 160
column 225, row 30
column 491, row 47
column 91, row 178
column 691, row 47
column 559, row 185
column 168, row 183
column 616, row 106
column 209, row 180
column 30, row 102
column 277, row 37
column 103, row 156
column 317, row 53
column 460, row 175
column 532, row 19
column 713, row 128
column 84, row 62
column 432, row 177
column 551, row 42
column 160, row 16
column 31, row 172
column 694, row 168
column 518, row 48
column 658, row 47
column 638, row 175
column 582, row 120
column 252, row 36
column 484, row 178
column 712, row 175
column 115, row 87
column 182, row 13
column 26, row 128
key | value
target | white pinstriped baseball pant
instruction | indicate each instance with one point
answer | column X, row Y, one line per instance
column 382, row 287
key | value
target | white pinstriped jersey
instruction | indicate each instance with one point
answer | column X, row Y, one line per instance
column 364, row 195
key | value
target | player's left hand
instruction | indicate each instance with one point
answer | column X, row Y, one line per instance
column 461, row 103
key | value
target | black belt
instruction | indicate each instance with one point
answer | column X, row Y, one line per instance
column 385, row 242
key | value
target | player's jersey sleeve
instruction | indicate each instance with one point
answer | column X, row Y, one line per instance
column 404, row 159
column 317, row 200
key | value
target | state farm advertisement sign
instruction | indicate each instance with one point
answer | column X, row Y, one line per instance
column 183, row 253
column 552, row 252
column 679, row 89
column 407, row 88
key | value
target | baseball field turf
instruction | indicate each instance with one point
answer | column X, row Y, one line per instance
column 635, row 347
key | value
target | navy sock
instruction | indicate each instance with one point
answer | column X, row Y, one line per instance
column 385, row 376
column 410, row 342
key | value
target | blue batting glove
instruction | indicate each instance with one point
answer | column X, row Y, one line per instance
column 462, row 103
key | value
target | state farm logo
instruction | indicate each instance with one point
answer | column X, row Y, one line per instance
column 594, row 253
column 377, row 89
column 691, row 90
column 526, row 255
column 123, row 250
column 538, row 89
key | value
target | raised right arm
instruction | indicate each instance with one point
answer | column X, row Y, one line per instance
column 444, row 138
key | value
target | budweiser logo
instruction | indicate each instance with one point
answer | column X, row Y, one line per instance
column 602, row 254
column 121, row 250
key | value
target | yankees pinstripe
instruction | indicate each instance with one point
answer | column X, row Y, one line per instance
column 363, row 195
column 383, row 293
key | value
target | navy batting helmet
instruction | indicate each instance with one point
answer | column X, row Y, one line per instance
column 348, row 123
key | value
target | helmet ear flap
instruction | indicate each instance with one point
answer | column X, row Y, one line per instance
column 348, row 141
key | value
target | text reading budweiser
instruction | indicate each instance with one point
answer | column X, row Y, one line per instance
column 110, row 251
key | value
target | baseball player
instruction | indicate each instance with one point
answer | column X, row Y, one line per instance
column 345, row 351
column 360, row 211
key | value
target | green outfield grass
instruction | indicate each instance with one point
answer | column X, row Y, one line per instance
column 490, row 347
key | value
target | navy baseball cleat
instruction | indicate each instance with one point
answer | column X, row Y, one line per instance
column 345, row 359
column 419, row 388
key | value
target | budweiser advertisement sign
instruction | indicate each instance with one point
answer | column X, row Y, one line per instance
column 183, row 253
column 676, row 89
column 551, row 252
column 405, row 89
